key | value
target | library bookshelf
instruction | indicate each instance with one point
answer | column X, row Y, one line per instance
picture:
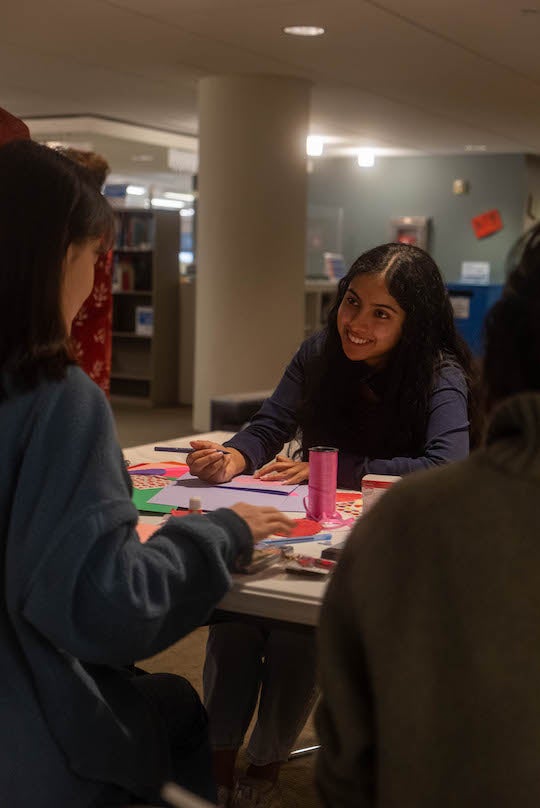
column 145, row 306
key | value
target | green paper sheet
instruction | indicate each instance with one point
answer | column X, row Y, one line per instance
column 140, row 499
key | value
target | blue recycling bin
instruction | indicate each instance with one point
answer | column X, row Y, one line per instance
column 471, row 303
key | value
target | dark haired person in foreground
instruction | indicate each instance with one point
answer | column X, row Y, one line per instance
column 82, row 598
column 430, row 633
column 388, row 382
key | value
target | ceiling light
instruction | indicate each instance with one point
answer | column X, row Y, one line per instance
column 303, row 30
column 175, row 195
column 314, row 145
column 366, row 158
column 474, row 148
column 170, row 204
column 136, row 190
column 187, row 212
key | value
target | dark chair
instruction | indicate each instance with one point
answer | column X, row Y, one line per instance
column 232, row 412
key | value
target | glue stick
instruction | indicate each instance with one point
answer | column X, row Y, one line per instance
column 195, row 505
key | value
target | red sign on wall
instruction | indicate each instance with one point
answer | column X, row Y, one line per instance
column 487, row 223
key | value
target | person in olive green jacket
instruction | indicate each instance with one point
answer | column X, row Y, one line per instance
column 430, row 632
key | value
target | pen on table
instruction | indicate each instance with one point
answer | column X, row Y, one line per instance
column 295, row 540
column 182, row 449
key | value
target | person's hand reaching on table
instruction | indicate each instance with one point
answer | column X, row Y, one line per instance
column 263, row 521
column 209, row 462
column 284, row 469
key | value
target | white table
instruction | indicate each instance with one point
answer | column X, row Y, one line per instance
column 280, row 596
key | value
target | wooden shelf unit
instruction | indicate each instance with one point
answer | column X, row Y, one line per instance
column 146, row 274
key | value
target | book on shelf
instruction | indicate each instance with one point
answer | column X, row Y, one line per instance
column 134, row 231
column 132, row 273
column 144, row 321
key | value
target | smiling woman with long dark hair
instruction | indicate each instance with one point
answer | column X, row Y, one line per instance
column 389, row 382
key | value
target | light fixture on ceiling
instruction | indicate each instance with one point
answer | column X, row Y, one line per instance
column 181, row 197
column 168, row 204
column 187, row 212
column 314, row 145
column 136, row 190
column 303, row 30
column 471, row 147
column 366, row 158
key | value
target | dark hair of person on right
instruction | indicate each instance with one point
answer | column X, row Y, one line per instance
column 512, row 326
column 47, row 202
column 429, row 341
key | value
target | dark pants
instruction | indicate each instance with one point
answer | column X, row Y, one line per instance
column 180, row 714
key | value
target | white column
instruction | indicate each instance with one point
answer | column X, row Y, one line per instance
column 251, row 234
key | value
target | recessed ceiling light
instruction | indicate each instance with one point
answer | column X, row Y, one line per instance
column 314, row 145
column 475, row 148
column 169, row 204
column 366, row 158
column 181, row 197
column 303, row 30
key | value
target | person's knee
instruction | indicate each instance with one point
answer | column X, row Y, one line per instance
column 293, row 643
column 178, row 703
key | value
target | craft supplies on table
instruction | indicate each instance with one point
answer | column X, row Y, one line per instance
column 374, row 486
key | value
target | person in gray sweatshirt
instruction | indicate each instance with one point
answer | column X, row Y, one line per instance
column 429, row 644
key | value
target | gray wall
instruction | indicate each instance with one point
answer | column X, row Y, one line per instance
column 422, row 186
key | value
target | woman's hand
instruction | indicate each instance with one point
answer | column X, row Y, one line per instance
column 285, row 469
column 263, row 521
column 209, row 463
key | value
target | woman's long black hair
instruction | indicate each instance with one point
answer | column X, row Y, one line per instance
column 384, row 414
column 47, row 202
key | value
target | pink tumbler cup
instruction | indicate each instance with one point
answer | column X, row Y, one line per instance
column 320, row 503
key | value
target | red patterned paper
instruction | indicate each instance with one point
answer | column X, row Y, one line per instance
column 143, row 481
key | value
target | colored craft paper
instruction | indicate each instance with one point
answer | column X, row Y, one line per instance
column 145, row 531
column 246, row 482
column 166, row 464
column 141, row 497
column 145, row 471
column 348, row 496
column 303, row 527
column 351, row 509
column 487, row 223
column 143, row 481
column 212, row 497
column 169, row 469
